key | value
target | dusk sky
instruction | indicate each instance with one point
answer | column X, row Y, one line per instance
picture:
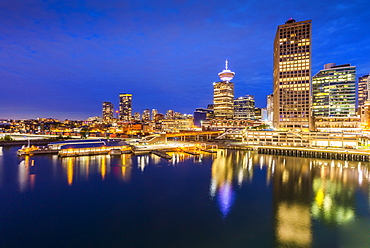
column 62, row 59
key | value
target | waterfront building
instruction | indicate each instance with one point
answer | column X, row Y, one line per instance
column 229, row 125
column 244, row 107
column 125, row 106
column 177, row 125
column 363, row 90
column 334, row 91
column 302, row 139
column 107, row 111
column 338, row 124
column 146, row 115
column 223, row 94
column 292, row 75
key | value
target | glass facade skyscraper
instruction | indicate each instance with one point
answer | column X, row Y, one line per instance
column 107, row 111
column 334, row 91
column 244, row 107
column 363, row 89
column 292, row 75
column 125, row 107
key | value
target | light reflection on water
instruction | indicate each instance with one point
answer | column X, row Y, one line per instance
column 304, row 191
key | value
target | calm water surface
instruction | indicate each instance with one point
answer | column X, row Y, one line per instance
column 232, row 199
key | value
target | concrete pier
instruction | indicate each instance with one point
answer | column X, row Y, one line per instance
column 341, row 154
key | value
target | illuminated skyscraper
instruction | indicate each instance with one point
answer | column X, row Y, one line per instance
column 223, row 95
column 292, row 75
column 244, row 107
column 363, row 89
column 137, row 116
column 125, row 106
column 146, row 115
column 334, row 91
column 107, row 111
column 270, row 107
column 154, row 114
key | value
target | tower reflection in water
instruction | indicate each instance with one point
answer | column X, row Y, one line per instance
column 228, row 166
column 304, row 190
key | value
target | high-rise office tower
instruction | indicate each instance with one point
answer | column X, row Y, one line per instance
column 244, row 107
column 107, row 111
column 292, row 75
column 363, row 89
column 137, row 116
column 154, row 114
column 223, row 95
column 170, row 114
column 125, row 106
column 146, row 115
column 334, row 91
column 270, row 107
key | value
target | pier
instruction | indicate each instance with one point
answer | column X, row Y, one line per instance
column 340, row 154
column 161, row 154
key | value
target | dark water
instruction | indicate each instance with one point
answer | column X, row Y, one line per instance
column 232, row 199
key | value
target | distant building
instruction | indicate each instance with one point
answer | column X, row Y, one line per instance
column 223, row 95
column 363, row 89
column 107, row 111
column 334, row 91
column 292, row 75
column 244, row 107
column 201, row 114
column 137, row 116
column 177, row 125
column 146, row 115
column 264, row 116
column 170, row 114
column 257, row 113
column 125, row 106
column 270, row 107
column 154, row 113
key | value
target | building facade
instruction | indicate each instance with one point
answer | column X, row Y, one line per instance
column 292, row 75
column 270, row 108
column 200, row 115
column 223, row 95
column 125, row 107
column 154, row 114
column 363, row 89
column 334, row 91
column 244, row 107
column 146, row 115
column 107, row 111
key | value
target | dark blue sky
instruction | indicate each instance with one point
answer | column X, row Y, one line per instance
column 62, row 59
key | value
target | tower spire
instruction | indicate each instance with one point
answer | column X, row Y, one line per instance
column 226, row 75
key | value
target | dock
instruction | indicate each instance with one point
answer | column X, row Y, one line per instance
column 161, row 154
column 340, row 154
column 208, row 151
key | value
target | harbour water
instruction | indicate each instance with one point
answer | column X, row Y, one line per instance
column 229, row 199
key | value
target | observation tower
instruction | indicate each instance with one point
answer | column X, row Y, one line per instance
column 223, row 95
column 226, row 75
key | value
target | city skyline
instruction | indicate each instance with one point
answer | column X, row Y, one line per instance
column 62, row 60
